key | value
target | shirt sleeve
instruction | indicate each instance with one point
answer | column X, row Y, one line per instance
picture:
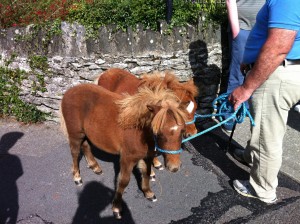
column 284, row 14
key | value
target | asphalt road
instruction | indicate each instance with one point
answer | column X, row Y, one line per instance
column 36, row 184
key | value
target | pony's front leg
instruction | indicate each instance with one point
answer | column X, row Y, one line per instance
column 145, row 168
column 157, row 164
column 75, row 152
column 126, row 168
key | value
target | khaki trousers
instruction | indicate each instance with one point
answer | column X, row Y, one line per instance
column 269, row 106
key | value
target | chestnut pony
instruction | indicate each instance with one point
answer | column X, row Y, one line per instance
column 124, row 125
column 121, row 81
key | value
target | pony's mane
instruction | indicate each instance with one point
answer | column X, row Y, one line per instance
column 153, row 80
column 168, row 80
column 134, row 111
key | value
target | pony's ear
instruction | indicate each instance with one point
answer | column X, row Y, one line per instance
column 153, row 108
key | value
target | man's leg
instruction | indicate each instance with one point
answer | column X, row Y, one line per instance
column 271, row 104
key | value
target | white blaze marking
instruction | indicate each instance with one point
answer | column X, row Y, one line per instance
column 190, row 107
column 174, row 128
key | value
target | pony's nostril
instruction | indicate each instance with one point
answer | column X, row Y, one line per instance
column 186, row 135
column 174, row 170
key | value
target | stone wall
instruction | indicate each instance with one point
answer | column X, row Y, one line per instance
column 72, row 59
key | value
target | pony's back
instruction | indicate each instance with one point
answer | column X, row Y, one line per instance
column 90, row 110
column 119, row 81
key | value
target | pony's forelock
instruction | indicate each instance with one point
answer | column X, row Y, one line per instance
column 168, row 107
column 133, row 108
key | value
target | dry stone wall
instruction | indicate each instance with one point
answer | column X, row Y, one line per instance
column 72, row 58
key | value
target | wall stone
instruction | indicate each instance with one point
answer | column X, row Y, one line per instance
column 191, row 53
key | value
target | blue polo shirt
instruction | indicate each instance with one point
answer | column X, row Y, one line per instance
column 283, row 14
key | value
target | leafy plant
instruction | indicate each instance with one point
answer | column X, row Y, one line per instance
column 10, row 101
column 24, row 12
column 95, row 13
column 10, row 91
column 39, row 66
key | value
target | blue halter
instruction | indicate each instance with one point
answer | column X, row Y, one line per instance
column 192, row 121
column 169, row 151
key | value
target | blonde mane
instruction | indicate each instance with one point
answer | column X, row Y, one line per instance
column 153, row 80
column 168, row 80
column 134, row 111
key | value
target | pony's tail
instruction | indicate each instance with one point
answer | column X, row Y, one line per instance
column 63, row 123
column 96, row 80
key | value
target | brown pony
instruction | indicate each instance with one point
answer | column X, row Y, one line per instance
column 124, row 125
column 120, row 81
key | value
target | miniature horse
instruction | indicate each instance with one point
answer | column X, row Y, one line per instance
column 121, row 81
column 123, row 125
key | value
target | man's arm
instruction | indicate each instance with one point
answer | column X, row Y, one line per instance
column 233, row 17
column 273, row 52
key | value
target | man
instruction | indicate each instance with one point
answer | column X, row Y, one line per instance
column 273, row 53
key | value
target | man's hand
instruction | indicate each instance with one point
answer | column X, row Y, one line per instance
column 238, row 96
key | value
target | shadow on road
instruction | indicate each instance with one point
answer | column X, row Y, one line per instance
column 10, row 170
column 94, row 198
column 115, row 159
column 212, row 155
column 214, row 147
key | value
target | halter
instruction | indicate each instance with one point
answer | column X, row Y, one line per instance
column 169, row 151
column 192, row 121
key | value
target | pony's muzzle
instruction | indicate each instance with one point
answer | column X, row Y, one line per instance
column 190, row 132
column 173, row 167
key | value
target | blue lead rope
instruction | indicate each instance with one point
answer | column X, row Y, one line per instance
column 225, row 108
column 169, row 151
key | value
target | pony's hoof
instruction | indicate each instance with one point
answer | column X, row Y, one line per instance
column 160, row 167
column 152, row 178
column 117, row 215
column 98, row 172
column 153, row 198
column 78, row 182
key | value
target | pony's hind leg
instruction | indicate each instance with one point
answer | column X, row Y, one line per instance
column 145, row 168
column 90, row 159
column 152, row 175
column 75, row 152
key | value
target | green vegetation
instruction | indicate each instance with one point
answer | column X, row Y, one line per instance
column 95, row 13
column 10, row 91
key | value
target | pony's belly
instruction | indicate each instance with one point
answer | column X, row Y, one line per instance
column 106, row 144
